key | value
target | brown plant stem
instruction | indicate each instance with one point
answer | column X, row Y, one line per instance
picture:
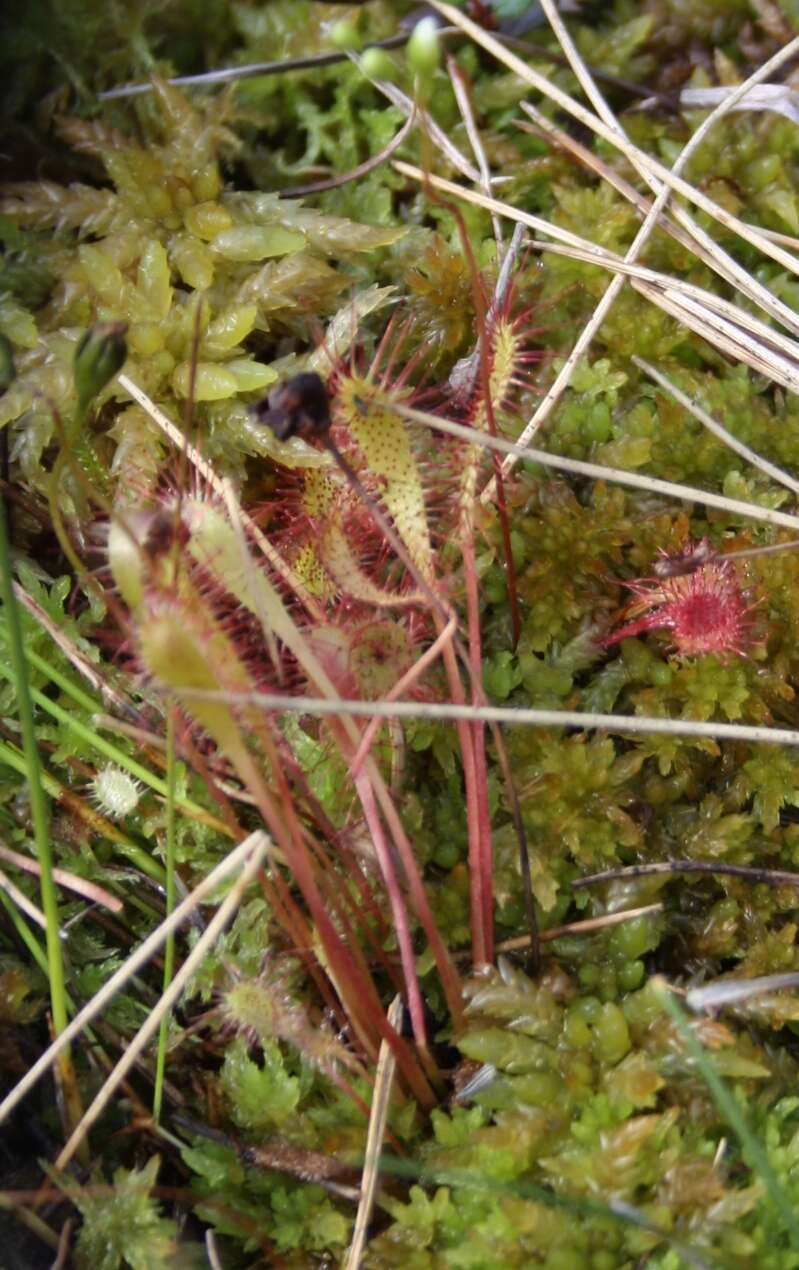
column 334, row 183
column 767, row 877
column 587, row 927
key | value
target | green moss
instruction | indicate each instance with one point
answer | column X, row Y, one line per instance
column 123, row 1227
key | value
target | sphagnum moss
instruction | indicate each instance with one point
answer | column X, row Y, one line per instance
column 593, row 1100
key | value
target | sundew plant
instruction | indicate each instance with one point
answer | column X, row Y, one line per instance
column 399, row 736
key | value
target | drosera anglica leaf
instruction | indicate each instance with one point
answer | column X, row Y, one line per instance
column 382, row 439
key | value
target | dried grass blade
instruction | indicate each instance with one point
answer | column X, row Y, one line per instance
column 586, row 927
column 204, row 944
column 724, row 336
column 460, row 89
column 517, row 716
column 714, row 304
column 595, row 471
column 701, row 245
column 503, row 209
column 714, row 996
column 637, row 157
column 21, row 900
column 137, row 959
column 381, row 1102
column 437, row 135
column 770, row 469
column 734, row 332
column 584, row 340
column 758, row 877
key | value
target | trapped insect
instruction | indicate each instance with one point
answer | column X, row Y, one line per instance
column 692, row 558
column 298, row 407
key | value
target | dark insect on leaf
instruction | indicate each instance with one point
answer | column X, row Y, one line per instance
column 694, row 557
column 298, row 407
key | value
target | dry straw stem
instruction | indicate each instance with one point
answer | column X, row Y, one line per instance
column 215, row 483
column 712, row 425
column 732, row 330
column 619, row 724
column 381, row 1103
column 717, row 259
column 768, row 350
column 595, row 254
column 461, row 91
column 255, row 842
column 252, row 70
column 734, row 98
column 587, row 927
column 229, row 74
column 504, row 209
column 778, row 98
column 638, row 158
column 737, row 334
column 192, row 963
column 596, row 472
column 111, row 697
column 21, row 900
column 726, row 336
column 651, row 219
column 211, row 1251
column 409, row 107
column 723, row 992
column 563, row 140
column 765, row 877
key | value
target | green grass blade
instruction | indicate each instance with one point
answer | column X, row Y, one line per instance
column 580, row 1208
column 40, row 816
column 40, row 812
column 752, row 1149
column 24, row 932
column 98, row 742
